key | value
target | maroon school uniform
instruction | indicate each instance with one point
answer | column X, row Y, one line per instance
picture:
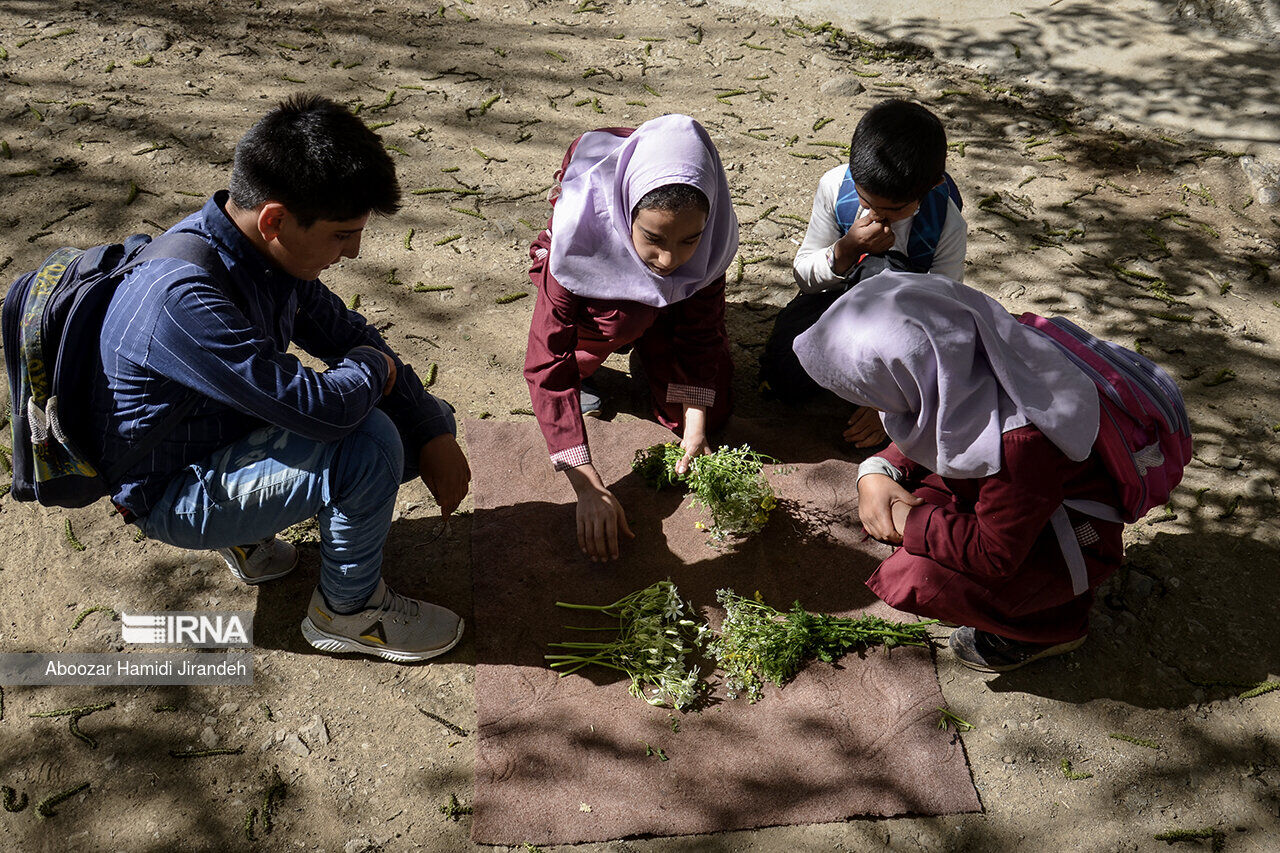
column 683, row 348
column 981, row 552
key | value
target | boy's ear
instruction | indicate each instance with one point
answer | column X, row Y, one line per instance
column 271, row 218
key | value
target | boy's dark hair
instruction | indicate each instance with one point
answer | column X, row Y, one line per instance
column 899, row 151
column 318, row 160
column 674, row 198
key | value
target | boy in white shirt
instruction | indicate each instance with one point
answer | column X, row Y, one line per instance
column 893, row 206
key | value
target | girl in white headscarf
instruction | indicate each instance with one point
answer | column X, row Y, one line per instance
column 641, row 233
column 993, row 428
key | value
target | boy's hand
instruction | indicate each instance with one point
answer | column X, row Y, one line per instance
column 444, row 469
column 867, row 236
column 694, row 441
column 864, row 428
column 883, row 506
column 391, row 378
column 599, row 516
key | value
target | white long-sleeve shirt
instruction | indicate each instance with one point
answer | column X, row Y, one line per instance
column 813, row 265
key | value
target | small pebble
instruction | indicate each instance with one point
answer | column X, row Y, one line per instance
column 842, row 87
column 1012, row 290
column 1259, row 488
column 294, row 744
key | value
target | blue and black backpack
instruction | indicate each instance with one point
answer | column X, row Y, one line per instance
column 52, row 323
column 926, row 228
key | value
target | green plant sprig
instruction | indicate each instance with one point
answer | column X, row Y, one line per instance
column 729, row 483
column 757, row 643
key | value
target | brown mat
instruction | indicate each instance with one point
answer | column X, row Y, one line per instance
column 563, row 760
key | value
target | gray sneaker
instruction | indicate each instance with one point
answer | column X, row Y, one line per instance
column 390, row 626
column 591, row 400
column 261, row 561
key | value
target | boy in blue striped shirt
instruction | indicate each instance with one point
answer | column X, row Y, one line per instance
column 267, row 442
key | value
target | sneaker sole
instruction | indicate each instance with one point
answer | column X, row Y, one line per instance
column 1052, row 651
column 243, row 578
column 335, row 644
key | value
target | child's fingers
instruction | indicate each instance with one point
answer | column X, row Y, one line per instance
column 622, row 524
column 609, row 541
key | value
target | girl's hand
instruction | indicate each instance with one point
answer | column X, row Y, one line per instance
column 694, row 441
column 883, row 506
column 600, row 517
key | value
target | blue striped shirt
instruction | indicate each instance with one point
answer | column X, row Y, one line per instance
column 172, row 330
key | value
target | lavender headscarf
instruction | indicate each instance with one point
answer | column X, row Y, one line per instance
column 591, row 250
column 950, row 369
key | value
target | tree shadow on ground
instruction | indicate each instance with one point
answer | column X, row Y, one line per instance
column 1187, row 621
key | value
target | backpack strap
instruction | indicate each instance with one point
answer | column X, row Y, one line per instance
column 926, row 226
column 847, row 202
column 1070, row 545
column 194, row 249
column 183, row 246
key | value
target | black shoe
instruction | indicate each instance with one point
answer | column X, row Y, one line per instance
column 992, row 653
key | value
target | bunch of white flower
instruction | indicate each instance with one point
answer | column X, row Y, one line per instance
column 655, row 636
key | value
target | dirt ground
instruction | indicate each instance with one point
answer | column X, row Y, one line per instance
column 122, row 117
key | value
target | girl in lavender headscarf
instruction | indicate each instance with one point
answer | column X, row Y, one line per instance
column 641, row 233
column 993, row 429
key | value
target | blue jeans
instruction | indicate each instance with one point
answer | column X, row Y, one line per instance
column 272, row 478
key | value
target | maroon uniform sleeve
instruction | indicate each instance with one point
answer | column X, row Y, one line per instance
column 698, row 338
column 912, row 472
column 1012, row 510
column 550, row 366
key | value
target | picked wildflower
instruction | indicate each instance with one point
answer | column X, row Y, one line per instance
column 655, row 636
column 757, row 643
column 729, row 483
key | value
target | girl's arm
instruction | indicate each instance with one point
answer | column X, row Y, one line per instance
column 550, row 367
column 698, row 338
column 1012, row 511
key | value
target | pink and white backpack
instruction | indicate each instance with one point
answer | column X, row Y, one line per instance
column 1144, row 438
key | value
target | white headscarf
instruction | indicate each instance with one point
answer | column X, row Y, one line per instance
column 950, row 369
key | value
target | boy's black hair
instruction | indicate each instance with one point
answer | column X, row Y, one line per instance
column 318, row 160
column 673, row 198
column 899, row 151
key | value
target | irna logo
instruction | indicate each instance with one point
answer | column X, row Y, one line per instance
column 201, row 630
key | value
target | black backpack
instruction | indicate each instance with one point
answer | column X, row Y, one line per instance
column 52, row 325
